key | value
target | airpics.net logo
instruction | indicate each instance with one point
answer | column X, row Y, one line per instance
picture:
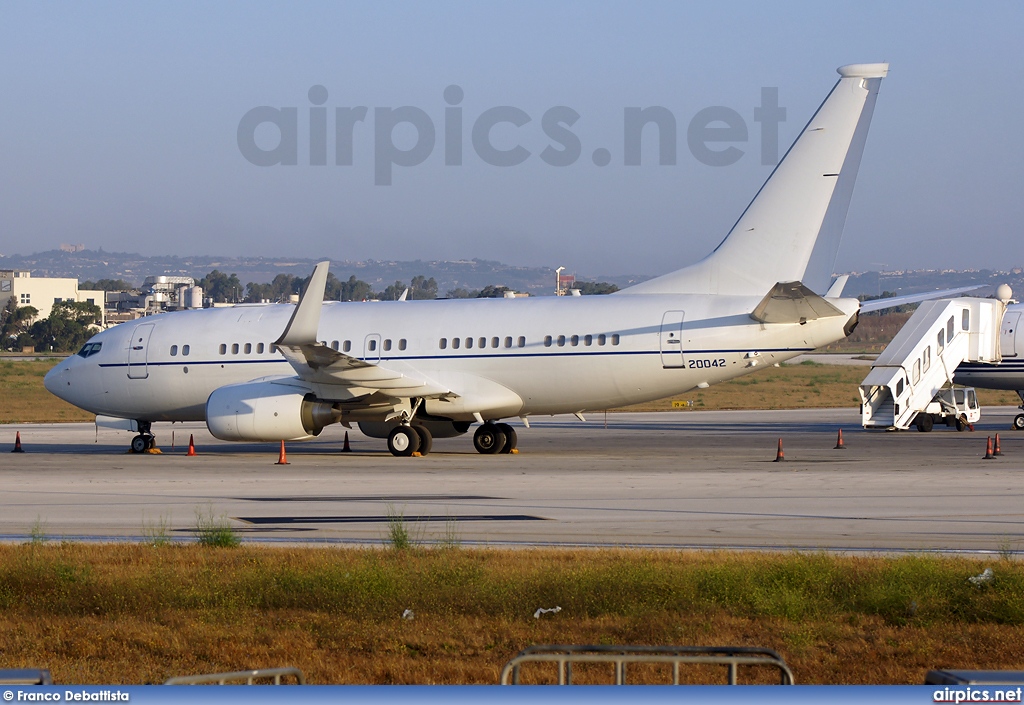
column 715, row 136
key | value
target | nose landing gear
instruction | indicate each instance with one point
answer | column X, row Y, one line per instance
column 145, row 442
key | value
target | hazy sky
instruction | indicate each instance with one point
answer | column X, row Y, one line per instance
column 119, row 127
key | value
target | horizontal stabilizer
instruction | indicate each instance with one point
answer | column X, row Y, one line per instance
column 881, row 304
column 792, row 302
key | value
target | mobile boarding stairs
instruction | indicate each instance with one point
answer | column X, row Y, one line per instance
column 906, row 382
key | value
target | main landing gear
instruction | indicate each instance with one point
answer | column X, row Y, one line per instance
column 145, row 441
column 405, row 440
column 492, row 438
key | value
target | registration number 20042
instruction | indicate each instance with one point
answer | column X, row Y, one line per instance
column 701, row 364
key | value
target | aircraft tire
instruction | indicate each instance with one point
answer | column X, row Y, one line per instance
column 426, row 440
column 488, row 439
column 403, row 441
column 1018, row 422
column 511, row 439
column 923, row 422
column 139, row 444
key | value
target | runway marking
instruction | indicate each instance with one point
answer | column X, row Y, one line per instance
column 370, row 498
column 380, row 519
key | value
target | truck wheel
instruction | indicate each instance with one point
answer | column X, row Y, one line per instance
column 1018, row 422
column 961, row 423
column 924, row 422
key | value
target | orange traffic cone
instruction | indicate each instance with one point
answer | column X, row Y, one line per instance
column 996, row 450
column 779, row 455
column 191, row 446
column 346, row 448
column 839, row 442
column 988, row 450
column 17, row 443
column 282, row 459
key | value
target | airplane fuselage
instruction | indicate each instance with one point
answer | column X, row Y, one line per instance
column 504, row 357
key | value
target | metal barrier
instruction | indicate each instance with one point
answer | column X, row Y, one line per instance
column 248, row 676
column 25, row 676
column 732, row 657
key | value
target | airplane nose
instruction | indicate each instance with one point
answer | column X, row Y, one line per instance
column 54, row 379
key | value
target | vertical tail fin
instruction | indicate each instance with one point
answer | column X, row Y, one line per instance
column 792, row 228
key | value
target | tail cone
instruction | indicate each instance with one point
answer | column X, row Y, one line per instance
column 779, row 455
column 282, row 459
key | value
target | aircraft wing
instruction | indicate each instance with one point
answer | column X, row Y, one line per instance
column 879, row 304
column 337, row 375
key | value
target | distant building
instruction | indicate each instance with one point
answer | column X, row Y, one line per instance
column 43, row 292
column 72, row 248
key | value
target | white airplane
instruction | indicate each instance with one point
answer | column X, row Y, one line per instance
column 409, row 371
column 1008, row 373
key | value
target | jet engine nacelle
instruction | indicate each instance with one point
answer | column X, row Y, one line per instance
column 266, row 410
column 438, row 429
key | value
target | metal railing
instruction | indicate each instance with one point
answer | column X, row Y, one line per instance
column 276, row 674
column 731, row 657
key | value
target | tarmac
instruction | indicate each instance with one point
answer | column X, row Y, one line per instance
column 700, row 480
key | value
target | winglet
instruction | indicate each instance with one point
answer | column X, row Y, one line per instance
column 305, row 321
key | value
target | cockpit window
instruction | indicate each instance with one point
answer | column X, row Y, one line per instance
column 90, row 349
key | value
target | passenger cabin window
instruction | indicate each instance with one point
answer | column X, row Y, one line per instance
column 185, row 349
column 174, row 350
column 372, row 345
column 561, row 341
column 494, row 342
column 965, row 319
column 469, row 343
column 273, row 348
column 575, row 340
column 456, row 342
column 223, row 349
column 346, row 346
column 521, row 342
column 334, row 345
column 508, row 341
column 615, row 338
column 259, row 348
column 547, row 341
column 588, row 340
column 387, row 344
column 481, row 343
column 248, row 348
column 601, row 339
column 442, row 343
column 401, row 344
column 234, row 348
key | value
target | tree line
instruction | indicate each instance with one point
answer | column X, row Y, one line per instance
column 66, row 329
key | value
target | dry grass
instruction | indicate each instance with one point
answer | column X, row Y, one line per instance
column 135, row 614
column 27, row 401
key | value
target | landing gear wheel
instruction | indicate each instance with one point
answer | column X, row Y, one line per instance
column 510, row 438
column 140, row 443
column 403, row 441
column 961, row 423
column 489, row 439
column 426, row 440
column 924, row 422
column 1018, row 422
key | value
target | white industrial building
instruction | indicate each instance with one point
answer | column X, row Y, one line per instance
column 43, row 292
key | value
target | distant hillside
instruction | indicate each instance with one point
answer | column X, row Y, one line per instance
column 466, row 274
